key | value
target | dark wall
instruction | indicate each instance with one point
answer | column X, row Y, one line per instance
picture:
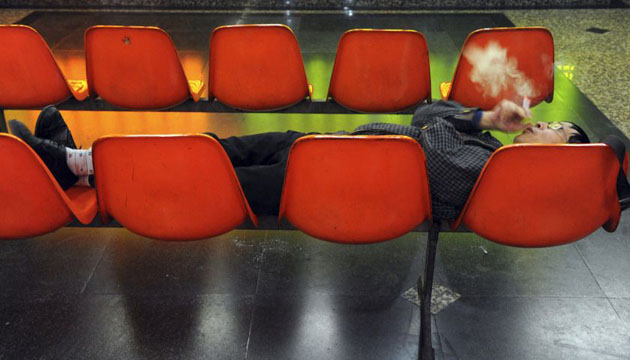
column 306, row 4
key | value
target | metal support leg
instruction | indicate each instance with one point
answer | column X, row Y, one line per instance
column 425, row 285
column 3, row 122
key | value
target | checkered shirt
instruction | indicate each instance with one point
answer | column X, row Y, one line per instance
column 455, row 151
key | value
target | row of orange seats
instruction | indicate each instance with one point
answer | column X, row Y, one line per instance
column 260, row 68
column 338, row 188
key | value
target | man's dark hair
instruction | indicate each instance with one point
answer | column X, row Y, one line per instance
column 580, row 137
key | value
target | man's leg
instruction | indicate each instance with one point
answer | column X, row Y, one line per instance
column 262, row 185
column 260, row 161
column 258, row 149
column 261, row 173
column 54, row 155
column 54, row 144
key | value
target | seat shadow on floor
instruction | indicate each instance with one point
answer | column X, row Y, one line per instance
column 473, row 266
column 295, row 263
column 134, row 265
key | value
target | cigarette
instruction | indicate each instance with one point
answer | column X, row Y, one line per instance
column 526, row 103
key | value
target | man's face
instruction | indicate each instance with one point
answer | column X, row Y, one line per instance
column 546, row 133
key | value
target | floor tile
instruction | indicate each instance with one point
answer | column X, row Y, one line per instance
column 532, row 328
column 61, row 262
column 608, row 257
column 34, row 328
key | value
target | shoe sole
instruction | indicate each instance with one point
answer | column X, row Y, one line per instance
column 18, row 131
column 48, row 110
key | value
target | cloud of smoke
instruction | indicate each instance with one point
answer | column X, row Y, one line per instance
column 547, row 64
column 496, row 73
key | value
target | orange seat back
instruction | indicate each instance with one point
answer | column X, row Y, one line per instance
column 356, row 189
column 504, row 63
column 32, row 203
column 256, row 67
column 168, row 187
column 381, row 70
column 544, row 195
column 134, row 67
column 29, row 74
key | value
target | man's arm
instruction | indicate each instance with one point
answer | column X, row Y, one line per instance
column 459, row 116
column 505, row 116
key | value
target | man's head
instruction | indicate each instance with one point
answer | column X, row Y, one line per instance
column 552, row 133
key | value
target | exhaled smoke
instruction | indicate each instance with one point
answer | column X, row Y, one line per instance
column 496, row 73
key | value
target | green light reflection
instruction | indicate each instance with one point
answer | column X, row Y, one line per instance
column 318, row 71
column 323, row 123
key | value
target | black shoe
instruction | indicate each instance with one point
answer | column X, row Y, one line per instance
column 50, row 125
column 51, row 153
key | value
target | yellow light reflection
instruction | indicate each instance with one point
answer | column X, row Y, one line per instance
column 72, row 64
column 567, row 70
column 194, row 64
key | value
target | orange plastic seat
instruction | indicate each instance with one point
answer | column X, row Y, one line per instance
column 356, row 189
column 381, row 70
column 179, row 187
column 503, row 63
column 544, row 195
column 256, row 67
column 29, row 75
column 32, row 201
column 136, row 67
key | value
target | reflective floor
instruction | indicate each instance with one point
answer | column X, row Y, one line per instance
column 104, row 293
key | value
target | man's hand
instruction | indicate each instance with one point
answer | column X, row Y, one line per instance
column 506, row 116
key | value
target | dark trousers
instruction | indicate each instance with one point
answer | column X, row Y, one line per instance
column 260, row 161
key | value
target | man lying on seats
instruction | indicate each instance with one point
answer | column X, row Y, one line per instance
column 452, row 136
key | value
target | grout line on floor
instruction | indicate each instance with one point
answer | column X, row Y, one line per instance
column 438, row 336
column 251, row 321
column 100, row 259
column 534, row 296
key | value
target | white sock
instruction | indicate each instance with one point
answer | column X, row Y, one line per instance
column 80, row 162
